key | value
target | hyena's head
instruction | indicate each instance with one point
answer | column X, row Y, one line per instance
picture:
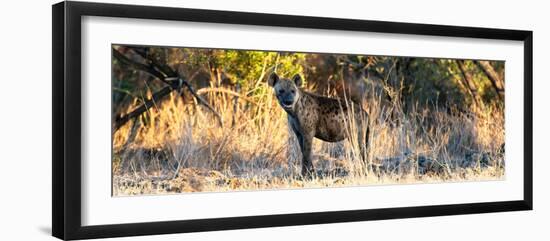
column 286, row 90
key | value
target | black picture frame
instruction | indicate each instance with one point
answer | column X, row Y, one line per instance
column 67, row 135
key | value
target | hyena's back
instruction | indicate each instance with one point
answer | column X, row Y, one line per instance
column 333, row 117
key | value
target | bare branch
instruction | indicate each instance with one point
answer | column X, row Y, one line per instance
column 165, row 74
column 138, row 66
column 227, row 91
column 121, row 120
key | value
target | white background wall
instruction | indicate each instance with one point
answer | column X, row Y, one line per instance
column 25, row 119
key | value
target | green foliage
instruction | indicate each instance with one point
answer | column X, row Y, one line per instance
column 247, row 67
column 425, row 81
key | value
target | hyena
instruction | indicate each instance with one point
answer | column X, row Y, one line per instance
column 310, row 115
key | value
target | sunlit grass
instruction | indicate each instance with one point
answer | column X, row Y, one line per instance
column 179, row 147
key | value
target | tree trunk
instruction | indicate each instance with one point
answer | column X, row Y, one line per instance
column 472, row 88
column 496, row 81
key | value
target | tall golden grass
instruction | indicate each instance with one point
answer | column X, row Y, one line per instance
column 178, row 146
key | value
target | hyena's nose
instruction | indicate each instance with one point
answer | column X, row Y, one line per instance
column 287, row 102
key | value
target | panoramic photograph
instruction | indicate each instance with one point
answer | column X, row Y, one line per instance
column 188, row 119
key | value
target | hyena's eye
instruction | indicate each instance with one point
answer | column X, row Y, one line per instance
column 281, row 91
column 293, row 91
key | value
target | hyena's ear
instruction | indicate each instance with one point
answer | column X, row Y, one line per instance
column 297, row 79
column 272, row 79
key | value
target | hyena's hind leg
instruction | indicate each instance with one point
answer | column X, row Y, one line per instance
column 363, row 140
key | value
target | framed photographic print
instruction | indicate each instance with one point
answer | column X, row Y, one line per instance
column 170, row 120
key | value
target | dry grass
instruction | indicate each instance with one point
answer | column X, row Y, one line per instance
column 179, row 147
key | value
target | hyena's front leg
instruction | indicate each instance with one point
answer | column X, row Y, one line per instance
column 305, row 146
column 305, row 139
column 305, row 149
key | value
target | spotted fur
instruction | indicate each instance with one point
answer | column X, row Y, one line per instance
column 311, row 115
